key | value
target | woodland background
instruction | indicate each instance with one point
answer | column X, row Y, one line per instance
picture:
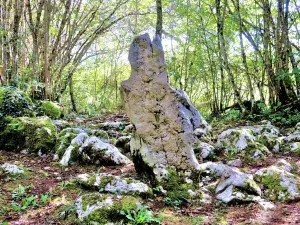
column 221, row 53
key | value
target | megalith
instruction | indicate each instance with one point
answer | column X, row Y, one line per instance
column 164, row 118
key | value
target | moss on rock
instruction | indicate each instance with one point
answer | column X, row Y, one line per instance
column 51, row 109
column 96, row 208
column 33, row 134
column 254, row 151
column 278, row 184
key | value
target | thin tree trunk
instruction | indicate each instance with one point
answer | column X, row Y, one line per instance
column 159, row 21
column 46, row 47
column 73, row 104
column 4, row 41
column 224, row 55
column 244, row 58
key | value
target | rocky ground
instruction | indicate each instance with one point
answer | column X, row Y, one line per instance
column 52, row 188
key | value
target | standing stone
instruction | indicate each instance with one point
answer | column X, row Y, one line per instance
column 164, row 118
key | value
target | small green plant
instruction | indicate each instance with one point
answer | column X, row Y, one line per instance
column 44, row 198
column 173, row 201
column 232, row 114
column 19, row 192
column 68, row 210
column 29, row 201
column 142, row 216
column 231, row 153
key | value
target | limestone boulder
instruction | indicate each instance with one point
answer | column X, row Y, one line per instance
column 96, row 208
column 294, row 136
column 293, row 147
column 114, row 184
column 264, row 127
column 233, row 184
column 236, row 138
column 278, row 183
column 163, row 117
column 96, row 151
column 35, row 135
column 11, row 168
column 76, row 145
column 204, row 149
column 242, row 142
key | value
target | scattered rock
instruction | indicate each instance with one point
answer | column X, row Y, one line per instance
column 205, row 150
column 234, row 184
column 231, row 194
column 96, row 208
column 279, row 184
column 235, row 163
column 114, row 184
column 12, row 169
column 265, row 205
column 124, row 143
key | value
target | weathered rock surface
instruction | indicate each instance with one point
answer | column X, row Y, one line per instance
column 204, row 149
column 114, row 184
column 96, row 208
column 278, row 182
column 234, row 185
column 164, row 118
column 242, row 142
column 11, row 168
column 87, row 146
column 265, row 205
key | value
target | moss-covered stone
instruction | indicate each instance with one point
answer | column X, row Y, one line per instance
column 271, row 141
column 254, row 151
column 278, row 184
column 99, row 134
column 101, row 209
column 33, row 134
column 113, row 184
column 64, row 140
column 14, row 102
column 50, row 109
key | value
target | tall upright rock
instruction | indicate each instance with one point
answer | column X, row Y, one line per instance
column 164, row 118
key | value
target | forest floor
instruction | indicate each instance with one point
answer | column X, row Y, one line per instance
column 43, row 177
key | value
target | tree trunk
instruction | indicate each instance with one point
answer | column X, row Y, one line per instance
column 73, row 104
column 159, row 21
column 4, row 40
column 46, row 47
column 224, row 54
column 244, row 58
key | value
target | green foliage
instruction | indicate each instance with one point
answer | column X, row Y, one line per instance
column 177, row 189
column 50, row 109
column 19, row 192
column 142, row 216
column 14, row 102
